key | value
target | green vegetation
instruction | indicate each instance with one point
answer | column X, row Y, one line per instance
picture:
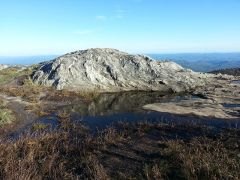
column 8, row 74
column 18, row 83
column 6, row 115
column 39, row 126
column 55, row 95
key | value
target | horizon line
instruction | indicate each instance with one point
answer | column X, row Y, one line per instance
column 147, row 53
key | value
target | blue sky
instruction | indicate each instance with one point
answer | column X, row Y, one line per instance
column 37, row 27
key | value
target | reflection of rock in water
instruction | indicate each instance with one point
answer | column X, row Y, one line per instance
column 110, row 103
column 121, row 102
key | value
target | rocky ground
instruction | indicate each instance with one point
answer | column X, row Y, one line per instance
column 220, row 98
column 132, row 150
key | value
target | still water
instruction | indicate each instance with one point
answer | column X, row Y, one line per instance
column 110, row 108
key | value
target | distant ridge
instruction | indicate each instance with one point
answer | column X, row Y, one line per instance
column 229, row 71
column 203, row 62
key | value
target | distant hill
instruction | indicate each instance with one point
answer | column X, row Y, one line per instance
column 202, row 62
column 230, row 71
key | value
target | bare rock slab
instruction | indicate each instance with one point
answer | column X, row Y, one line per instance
column 203, row 108
column 110, row 70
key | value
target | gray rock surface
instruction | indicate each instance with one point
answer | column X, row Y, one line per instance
column 220, row 99
column 109, row 70
column 200, row 107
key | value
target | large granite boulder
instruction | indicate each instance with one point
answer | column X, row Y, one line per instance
column 110, row 70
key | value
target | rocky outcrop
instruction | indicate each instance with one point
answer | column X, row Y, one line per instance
column 219, row 98
column 111, row 70
column 200, row 107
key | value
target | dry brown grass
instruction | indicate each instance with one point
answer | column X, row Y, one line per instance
column 65, row 95
column 204, row 158
column 63, row 154
column 135, row 151
column 17, row 83
column 27, row 92
column 157, row 151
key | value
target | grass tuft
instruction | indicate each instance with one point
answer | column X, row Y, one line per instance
column 39, row 126
column 6, row 115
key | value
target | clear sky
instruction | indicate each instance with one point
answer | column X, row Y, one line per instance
column 37, row 27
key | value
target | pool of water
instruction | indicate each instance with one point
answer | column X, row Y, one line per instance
column 111, row 108
column 231, row 105
column 236, row 82
column 101, row 122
